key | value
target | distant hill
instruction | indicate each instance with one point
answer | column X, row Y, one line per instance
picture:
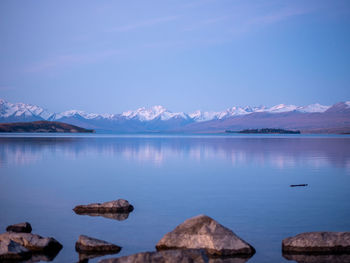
column 42, row 126
column 265, row 131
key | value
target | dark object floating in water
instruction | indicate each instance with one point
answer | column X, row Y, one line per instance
column 296, row 185
column 24, row 227
column 317, row 243
column 265, row 131
column 42, row 126
column 203, row 232
column 116, row 206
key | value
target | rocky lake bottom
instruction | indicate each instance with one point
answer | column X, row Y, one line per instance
column 241, row 181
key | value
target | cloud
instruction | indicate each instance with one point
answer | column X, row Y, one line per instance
column 279, row 16
column 71, row 60
column 6, row 88
column 142, row 24
column 206, row 22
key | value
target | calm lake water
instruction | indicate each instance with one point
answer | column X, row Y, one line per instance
column 240, row 181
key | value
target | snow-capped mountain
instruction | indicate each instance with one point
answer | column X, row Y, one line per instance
column 158, row 118
column 155, row 112
column 22, row 112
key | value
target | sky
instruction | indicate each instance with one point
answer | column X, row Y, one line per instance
column 110, row 56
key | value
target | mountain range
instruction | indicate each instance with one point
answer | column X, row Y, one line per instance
column 310, row 118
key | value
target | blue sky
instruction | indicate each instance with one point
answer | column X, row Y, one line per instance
column 111, row 56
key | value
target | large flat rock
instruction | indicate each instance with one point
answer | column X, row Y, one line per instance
column 117, row 206
column 203, row 232
column 87, row 244
column 24, row 227
column 10, row 250
column 317, row 242
column 34, row 243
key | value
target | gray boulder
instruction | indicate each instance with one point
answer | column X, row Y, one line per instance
column 34, row 243
column 87, row 244
column 10, row 250
column 24, row 227
column 117, row 206
column 203, row 232
column 317, row 242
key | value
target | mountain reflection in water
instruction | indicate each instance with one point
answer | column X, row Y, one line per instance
column 278, row 152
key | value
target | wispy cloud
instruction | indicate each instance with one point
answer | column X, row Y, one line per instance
column 255, row 21
column 6, row 88
column 279, row 15
column 142, row 24
column 71, row 60
column 206, row 22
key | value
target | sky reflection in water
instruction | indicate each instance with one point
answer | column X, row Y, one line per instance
column 243, row 182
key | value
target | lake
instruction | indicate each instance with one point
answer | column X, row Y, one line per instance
column 242, row 181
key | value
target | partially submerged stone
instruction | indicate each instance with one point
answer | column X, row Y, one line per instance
column 117, row 206
column 10, row 250
column 87, row 244
column 321, row 258
column 173, row 256
column 203, row 232
column 24, row 227
column 34, row 243
column 167, row 256
column 317, row 242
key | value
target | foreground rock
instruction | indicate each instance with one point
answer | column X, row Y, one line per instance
column 173, row 256
column 335, row 258
column 114, row 216
column 34, row 243
column 203, row 232
column 317, row 242
column 117, row 206
column 169, row 256
column 20, row 228
column 87, row 244
column 10, row 250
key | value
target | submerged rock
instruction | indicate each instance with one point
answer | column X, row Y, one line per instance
column 317, row 242
column 168, row 256
column 24, row 227
column 321, row 258
column 34, row 243
column 115, row 216
column 87, row 244
column 203, row 232
column 173, row 256
column 117, row 206
column 10, row 250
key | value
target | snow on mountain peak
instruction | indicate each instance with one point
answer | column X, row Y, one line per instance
column 154, row 112
column 281, row 108
column 313, row 108
column 157, row 112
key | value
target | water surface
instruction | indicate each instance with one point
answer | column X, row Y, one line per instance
column 240, row 181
